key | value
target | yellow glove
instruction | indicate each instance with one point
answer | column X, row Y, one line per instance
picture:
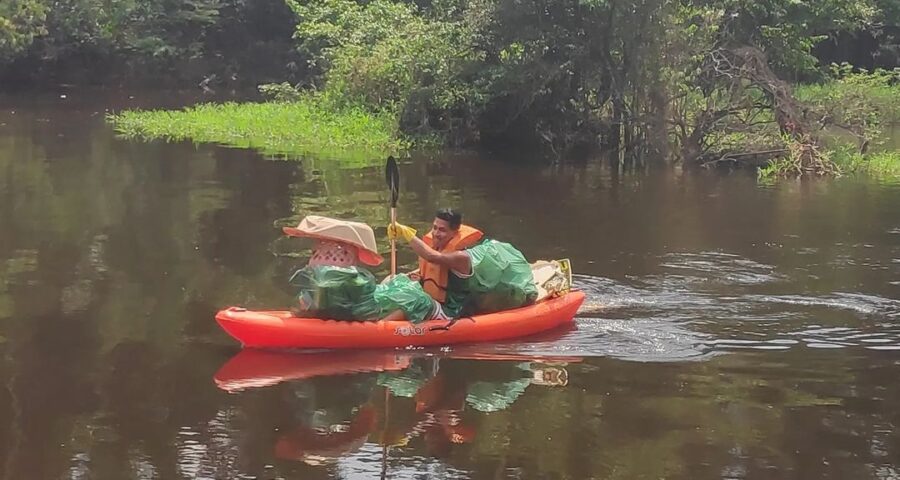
column 397, row 230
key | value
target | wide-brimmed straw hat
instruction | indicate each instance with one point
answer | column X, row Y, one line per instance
column 357, row 234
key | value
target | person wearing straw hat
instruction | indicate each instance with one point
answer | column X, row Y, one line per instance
column 335, row 283
column 340, row 243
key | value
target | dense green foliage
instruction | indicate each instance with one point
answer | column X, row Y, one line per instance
column 861, row 103
column 787, row 30
column 20, row 22
column 687, row 80
column 567, row 74
column 853, row 111
column 99, row 41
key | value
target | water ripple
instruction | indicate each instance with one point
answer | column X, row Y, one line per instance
column 865, row 304
column 645, row 340
column 676, row 316
column 210, row 452
column 720, row 268
column 366, row 463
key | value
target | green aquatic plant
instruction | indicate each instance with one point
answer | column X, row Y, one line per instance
column 307, row 126
column 803, row 156
column 884, row 165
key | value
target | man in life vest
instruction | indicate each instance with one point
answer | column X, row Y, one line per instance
column 465, row 272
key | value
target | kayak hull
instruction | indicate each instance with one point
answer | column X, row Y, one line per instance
column 279, row 329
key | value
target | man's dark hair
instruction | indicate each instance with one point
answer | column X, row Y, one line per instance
column 449, row 216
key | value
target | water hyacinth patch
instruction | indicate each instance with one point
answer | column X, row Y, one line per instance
column 289, row 129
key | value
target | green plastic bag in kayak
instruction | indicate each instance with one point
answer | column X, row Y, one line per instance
column 501, row 280
column 401, row 293
column 335, row 293
column 351, row 293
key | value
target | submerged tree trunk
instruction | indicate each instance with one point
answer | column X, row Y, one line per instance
column 737, row 77
column 805, row 145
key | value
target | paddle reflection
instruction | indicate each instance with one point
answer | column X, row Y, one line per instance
column 394, row 399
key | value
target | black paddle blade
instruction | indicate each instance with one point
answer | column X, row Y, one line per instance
column 392, row 176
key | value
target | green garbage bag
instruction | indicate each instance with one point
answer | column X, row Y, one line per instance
column 501, row 280
column 401, row 293
column 336, row 293
column 351, row 293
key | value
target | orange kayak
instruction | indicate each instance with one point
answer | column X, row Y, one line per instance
column 279, row 329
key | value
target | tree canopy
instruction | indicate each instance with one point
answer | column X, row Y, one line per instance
column 555, row 74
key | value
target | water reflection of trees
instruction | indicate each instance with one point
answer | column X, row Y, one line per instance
column 114, row 257
column 105, row 264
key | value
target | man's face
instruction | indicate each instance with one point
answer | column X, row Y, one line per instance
column 441, row 233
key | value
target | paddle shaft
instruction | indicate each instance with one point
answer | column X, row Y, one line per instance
column 392, row 176
column 393, row 243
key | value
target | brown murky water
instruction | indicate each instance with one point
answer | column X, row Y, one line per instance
column 733, row 330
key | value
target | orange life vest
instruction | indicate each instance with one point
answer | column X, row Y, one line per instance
column 433, row 276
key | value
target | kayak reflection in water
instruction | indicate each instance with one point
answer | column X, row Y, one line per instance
column 334, row 285
column 440, row 394
column 440, row 399
column 315, row 446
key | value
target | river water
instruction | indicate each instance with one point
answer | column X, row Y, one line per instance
column 731, row 329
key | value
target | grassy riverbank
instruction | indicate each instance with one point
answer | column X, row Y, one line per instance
column 306, row 126
column 873, row 98
column 883, row 165
column 858, row 110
